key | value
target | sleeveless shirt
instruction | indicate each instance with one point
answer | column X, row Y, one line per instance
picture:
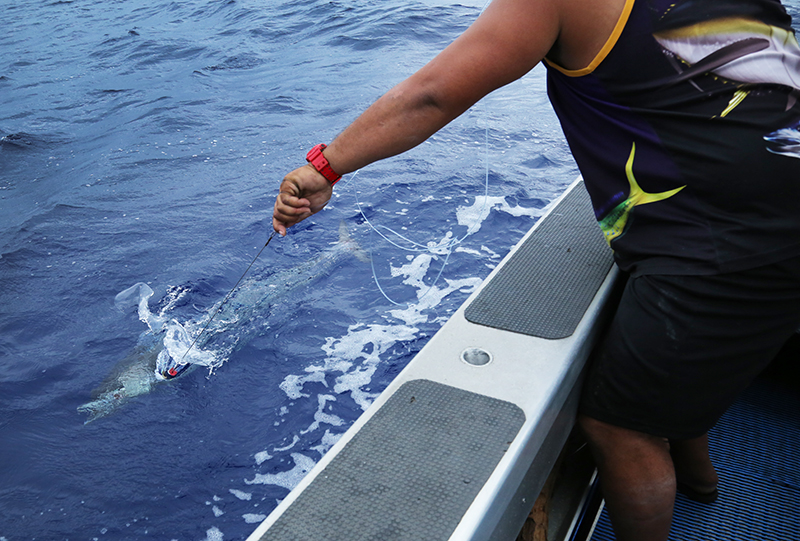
column 686, row 129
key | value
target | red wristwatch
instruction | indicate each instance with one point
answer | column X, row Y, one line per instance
column 315, row 158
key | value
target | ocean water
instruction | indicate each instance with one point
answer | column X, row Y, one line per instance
column 142, row 141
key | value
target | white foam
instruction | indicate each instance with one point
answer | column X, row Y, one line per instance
column 492, row 253
column 287, row 479
column 352, row 360
column 139, row 295
column 262, row 457
column 173, row 296
column 328, row 441
column 240, row 494
column 367, row 344
column 295, row 439
column 321, row 417
column 179, row 345
column 355, row 357
column 217, row 511
column 252, row 518
column 442, row 247
column 427, row 296
column 473, row 216
column 292, row 384
column 470, row 251
column 214, row 534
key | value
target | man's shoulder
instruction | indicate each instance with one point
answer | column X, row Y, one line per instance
column 586, row 26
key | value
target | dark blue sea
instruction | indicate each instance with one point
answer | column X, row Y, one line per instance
column 142, row 142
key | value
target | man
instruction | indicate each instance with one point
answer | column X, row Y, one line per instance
column 682, row 117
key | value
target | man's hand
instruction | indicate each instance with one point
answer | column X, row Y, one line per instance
column 303, row 192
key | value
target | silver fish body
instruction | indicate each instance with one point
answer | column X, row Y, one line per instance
column 167, row 345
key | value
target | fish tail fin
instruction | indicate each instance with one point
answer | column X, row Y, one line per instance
column 93, row 409
column 345, row 238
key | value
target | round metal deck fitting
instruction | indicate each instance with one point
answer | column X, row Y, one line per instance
column 476, row 356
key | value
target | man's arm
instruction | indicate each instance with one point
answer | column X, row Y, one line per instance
column 503, row 44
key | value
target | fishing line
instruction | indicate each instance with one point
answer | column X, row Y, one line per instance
column 450, row 246
column 173, row 371
column 418, row 247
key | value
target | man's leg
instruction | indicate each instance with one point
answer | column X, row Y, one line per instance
column 694, row 472
column 637, row 477
column 677, row 353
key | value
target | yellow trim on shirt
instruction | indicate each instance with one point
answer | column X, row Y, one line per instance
column 610, row 42
column 724, row 26
column 738, row 97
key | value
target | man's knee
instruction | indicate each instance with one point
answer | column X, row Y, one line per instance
column 597, row 432
column 606, row 437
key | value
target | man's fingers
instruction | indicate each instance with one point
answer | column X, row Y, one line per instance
column 278, row 226
column 288, row 211
column 289, row 200
column 303, row 192
column 289, row 205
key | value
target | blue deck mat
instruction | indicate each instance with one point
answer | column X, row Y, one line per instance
column 755, row 448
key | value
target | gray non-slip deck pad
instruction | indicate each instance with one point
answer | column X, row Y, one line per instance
column 549, row 282
column 445, row 442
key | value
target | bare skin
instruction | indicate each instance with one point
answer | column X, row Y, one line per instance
column 503, row 44
column 639, row 474
column 638, row 479
column 693, row 465
column 506, row 42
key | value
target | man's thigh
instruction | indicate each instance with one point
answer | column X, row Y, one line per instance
column 681, row 348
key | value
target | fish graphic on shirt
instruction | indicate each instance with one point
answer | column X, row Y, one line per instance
column 613, row 224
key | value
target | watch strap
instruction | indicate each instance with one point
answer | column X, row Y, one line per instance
column 320, row 163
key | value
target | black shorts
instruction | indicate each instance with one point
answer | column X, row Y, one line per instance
column 681, row 348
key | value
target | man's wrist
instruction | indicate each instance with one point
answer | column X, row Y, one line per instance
column 321, row 164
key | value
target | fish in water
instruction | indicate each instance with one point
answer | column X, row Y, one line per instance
column 167, row 349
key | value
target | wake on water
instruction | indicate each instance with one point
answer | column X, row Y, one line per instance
column 171, row 347
column 170, row 344
column 176, row 339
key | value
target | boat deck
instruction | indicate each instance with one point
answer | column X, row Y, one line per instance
column 460, row 444
column 755, row 448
